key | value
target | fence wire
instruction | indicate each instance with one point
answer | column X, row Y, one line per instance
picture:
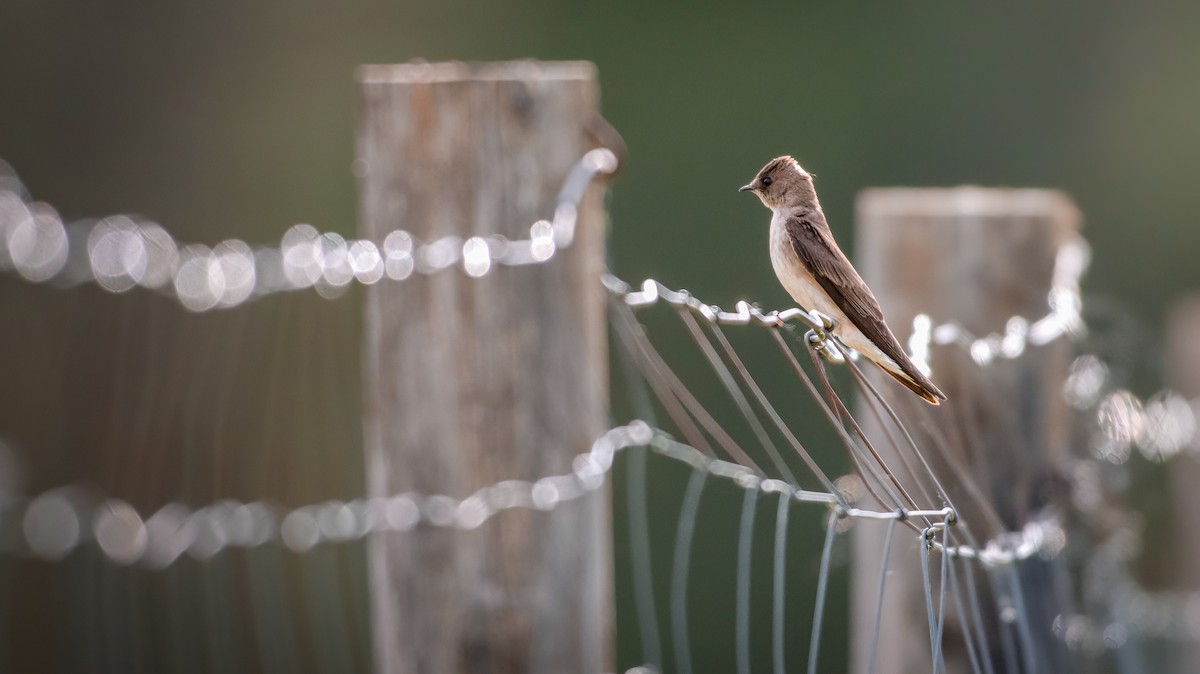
column 122, row 252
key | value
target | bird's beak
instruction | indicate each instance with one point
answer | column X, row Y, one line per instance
column 746, row 188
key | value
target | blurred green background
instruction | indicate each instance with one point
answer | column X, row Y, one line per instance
column 229, row 118
column 223, row 119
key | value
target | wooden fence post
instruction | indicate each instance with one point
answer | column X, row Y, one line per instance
column 1183, row 376
column 976, row 257
column 471, row 381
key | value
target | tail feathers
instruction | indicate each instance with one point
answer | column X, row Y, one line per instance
column 917, row 383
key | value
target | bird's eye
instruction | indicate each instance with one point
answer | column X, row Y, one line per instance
column 766, row 181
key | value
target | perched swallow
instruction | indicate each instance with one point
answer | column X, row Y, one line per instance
column 817, row 274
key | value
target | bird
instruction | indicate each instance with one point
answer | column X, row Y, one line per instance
column 819, row 276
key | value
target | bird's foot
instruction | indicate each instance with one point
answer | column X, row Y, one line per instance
column 823, row 343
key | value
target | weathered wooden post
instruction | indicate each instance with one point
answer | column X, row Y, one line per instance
column 1183, row 376
column 976, row 257
column 471, row 381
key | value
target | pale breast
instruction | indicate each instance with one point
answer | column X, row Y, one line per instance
column 797, row 280
column 809, row 294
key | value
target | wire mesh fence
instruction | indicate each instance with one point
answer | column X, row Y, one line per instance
column 193, row 560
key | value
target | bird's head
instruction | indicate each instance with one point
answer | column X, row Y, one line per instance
column 781, row 184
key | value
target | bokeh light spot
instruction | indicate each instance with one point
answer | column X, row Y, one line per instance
column 120, row 532
column 37, row 243
column 52, row 527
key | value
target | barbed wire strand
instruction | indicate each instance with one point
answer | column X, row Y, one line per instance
column 1063, row 319
column 122, row 252
column 174, row 529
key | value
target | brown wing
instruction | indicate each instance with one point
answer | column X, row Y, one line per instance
column 819, row 253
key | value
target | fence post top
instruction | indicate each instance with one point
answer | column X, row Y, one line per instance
column 462, row 71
